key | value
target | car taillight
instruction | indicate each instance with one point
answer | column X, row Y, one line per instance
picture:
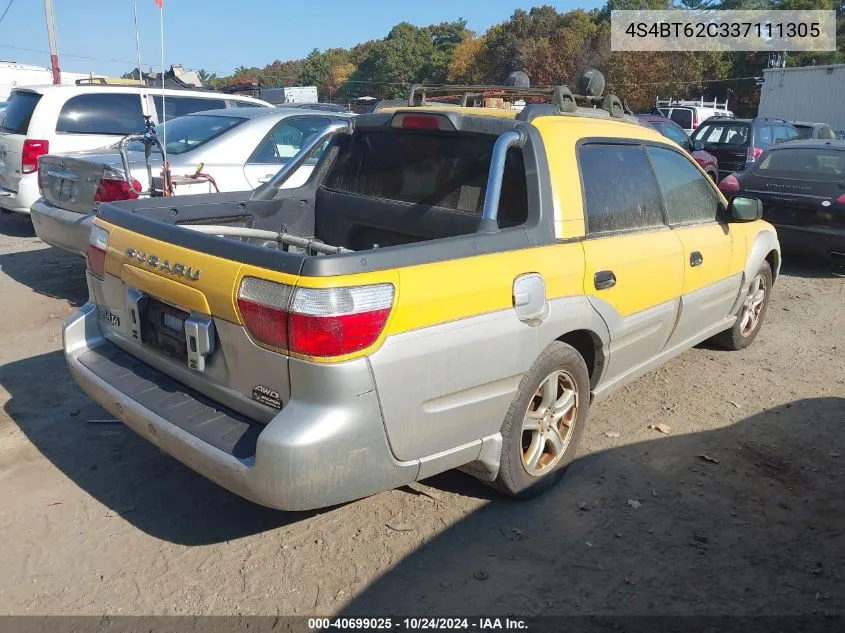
column 320, row 322
column 98, row 241
column 113, row 188
column 32, row 149
column 694, row 120
column 729, row 184
column 753, row 154
column 841, row 199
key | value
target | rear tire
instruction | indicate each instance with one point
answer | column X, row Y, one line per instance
column 543, row 427
column 751, row 312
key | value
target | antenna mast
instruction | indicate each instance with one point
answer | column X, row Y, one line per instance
column 51, row 35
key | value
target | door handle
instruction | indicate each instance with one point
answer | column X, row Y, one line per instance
column 695, row 259
column 604, row 279
column 266, row 178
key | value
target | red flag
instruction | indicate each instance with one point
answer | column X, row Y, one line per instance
column 160, row 4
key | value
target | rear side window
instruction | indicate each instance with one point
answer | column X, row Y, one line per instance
column 620, row 192
column 683, row 117
column 804, row 131
column 687, row 193
column 440, row 170
column 180, row 106
column 19, row 112
column 826, row 133
column 765, row 135
column 243, row 104
column 113, row 114
column 675, row 133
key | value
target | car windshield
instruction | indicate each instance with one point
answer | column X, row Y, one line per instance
column 722, row 133
column 804, row 163
column 190, row 132
column 804, row 131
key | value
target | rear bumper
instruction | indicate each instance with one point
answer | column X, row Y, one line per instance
column 327, row 445
column 20, row 200
column 61, row 228
column 817, row 242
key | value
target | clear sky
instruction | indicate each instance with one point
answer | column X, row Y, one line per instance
column 219, row 35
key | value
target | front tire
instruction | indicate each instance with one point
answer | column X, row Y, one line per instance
column 751, row 312
column 543, row 427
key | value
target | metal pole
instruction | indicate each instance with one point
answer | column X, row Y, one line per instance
column 51, row 36
column 137, row 39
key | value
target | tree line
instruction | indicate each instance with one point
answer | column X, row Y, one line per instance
column 552, row 47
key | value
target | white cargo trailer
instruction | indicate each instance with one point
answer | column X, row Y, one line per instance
column 13, row 75
column 807, row 93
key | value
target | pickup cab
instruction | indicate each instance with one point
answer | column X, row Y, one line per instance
column 453, row 287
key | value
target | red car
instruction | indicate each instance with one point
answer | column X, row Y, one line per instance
column 675, row 132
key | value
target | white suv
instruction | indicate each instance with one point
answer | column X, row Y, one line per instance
column 690, row 114
column 60, row 119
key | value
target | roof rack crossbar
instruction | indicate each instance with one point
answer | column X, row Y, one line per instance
column 560, row 96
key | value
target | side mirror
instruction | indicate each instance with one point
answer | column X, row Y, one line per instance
column 697, row 145
column 742, row 209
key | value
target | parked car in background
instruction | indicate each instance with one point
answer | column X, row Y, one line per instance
column 800, row 185
column 814, row 130
column 323, row 107
column 675, row 132
column 240, row 148
column 59, row 119
column 738, row 142
column 689, row 114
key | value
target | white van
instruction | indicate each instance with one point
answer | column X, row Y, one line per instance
column 59, row 119
column 690, row 114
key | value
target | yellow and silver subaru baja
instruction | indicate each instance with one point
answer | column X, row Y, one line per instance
column 453, row 287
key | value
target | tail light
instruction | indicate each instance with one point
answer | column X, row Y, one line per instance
column 694, row 119
column 729, row 184
column 98, row 241
column 32, row 149
column 753, row 154
column 113, row 187
column 319, row 322
column 841, row 199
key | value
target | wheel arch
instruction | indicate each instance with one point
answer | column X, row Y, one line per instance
column 591, row 348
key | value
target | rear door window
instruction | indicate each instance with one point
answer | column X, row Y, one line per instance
column 19, row 112
column 287, row 138
column 766, row 136
column 620, row 192
column 674, row 132
column 683, row 117
column 100, row 113
column 804, row 131
column 827, row 133
column 723, row 133
column 688, row 195
column 180, row 106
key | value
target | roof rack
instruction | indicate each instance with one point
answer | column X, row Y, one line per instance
column 560, row 96
column 107, row 81
column 701, row 103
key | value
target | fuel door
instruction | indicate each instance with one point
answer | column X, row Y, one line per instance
column 529, row 298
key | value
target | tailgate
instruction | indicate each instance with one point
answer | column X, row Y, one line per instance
column 793, row 202
column 70, row 183
column 11, row 146
column 175, row 309
column 730, row 157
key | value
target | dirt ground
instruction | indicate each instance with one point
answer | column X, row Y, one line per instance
column 95, row 520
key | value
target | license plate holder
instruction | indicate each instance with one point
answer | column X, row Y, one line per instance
column 163, row 328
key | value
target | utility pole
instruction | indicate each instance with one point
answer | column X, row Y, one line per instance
column 51, row 35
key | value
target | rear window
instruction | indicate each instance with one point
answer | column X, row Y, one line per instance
column 620, row 192
column 440, row 170
column 190, row 132
column 19, row 112
column 804, row 164
column 112, row 114
column 180, row 106
column 723, row 133
column 683, row 117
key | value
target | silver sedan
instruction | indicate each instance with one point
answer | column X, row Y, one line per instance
column 235, row 149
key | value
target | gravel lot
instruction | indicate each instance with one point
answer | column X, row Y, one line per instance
column 95, row 520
